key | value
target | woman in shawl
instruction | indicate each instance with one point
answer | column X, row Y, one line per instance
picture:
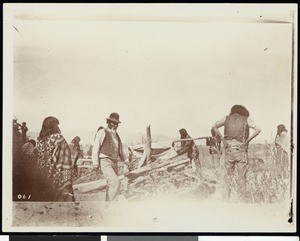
column 190, row 148
column 54, row 164
column 76, row 152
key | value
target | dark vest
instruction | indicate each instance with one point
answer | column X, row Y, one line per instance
column 109, row 147
column 236, row 127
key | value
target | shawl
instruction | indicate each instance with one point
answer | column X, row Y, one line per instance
column 55, row 161
column 189, row 147
column 27, row 150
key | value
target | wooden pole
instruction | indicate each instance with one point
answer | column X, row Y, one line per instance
column 148, row 145
column 191, row 139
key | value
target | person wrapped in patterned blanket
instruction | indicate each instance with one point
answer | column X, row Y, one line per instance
column 54, row 180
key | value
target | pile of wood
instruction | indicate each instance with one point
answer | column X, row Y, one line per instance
column 160, row 177
column 87, row 175
column 152, row 174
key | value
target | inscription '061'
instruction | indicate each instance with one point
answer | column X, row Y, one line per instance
column 24, row 196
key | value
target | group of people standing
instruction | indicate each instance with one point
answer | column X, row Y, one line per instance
column 55, row 158
column 19, row 137
column 236, row 139
column 43, row 169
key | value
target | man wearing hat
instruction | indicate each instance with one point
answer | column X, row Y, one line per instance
column 282, row 143
column 108, row 149
column 236, row 140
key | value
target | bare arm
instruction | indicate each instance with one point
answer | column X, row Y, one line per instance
column 217, row 125
column 185, row 148
column 256, row 129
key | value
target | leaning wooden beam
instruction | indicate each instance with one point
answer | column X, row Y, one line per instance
column 84, row 187
column 148, row 145
column 101, row 184
column 142, row 159
column 148, row 168
column 139, row 180
column 172, row 165
column 147, row 149
column 90, row 186
column 180, row 167
column 191, row 139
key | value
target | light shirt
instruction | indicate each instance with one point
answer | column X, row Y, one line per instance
column 283, row 140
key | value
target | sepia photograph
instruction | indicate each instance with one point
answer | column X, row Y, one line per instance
column 149, row 118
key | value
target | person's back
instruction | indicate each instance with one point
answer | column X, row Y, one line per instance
column 236, row 127
column 236, row 140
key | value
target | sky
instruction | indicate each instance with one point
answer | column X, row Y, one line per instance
column 167, row 74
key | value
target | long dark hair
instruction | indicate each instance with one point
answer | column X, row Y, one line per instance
column 76, row 141
column 183, row 133
column 50, row 126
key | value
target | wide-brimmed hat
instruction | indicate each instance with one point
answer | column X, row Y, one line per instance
column 240, row 109
column 114, row 117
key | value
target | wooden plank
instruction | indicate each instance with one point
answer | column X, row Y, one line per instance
column 170, row 166
column 180, row 167
column 148, row 145
column 148, row 168
column 138, row 181
column 101, row 184
column 85, row 166
column 146, row 156
column 142, row 159
column 84, row 161
column 191, row 139
column 90, row 186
